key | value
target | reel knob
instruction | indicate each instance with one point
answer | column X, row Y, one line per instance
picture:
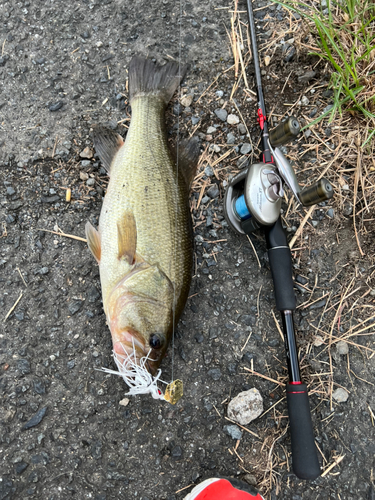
column 284, row 132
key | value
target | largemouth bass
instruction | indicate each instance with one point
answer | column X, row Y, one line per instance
column 143, row 244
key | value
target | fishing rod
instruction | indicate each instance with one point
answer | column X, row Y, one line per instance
column 253, row 201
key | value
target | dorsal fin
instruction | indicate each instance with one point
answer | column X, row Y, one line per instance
column 127, row 237
column 93, row 241
column 106, row 143
column 188, row 154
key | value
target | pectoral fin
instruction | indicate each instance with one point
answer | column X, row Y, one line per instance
column 127, row 238
column 93, row 241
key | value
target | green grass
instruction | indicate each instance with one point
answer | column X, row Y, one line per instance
column 345, row 38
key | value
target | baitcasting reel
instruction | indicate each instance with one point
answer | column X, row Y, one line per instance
column 253, row 198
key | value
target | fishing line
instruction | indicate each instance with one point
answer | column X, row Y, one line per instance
column 177, row 158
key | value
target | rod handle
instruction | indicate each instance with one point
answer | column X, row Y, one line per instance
column 304, row 453
column 281, row 266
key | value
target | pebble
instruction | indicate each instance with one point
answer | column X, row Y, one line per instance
column 221, row 114
column 307, row 133
column 86, row 153
column 36, row 419
column 342, row 348
column 246, row 406
column 340, row 395
column 209, row 171
column 86, row 163
column 211, row 130
column 219, row 93
column 215, row 148
column 83, row 176
column 306, row 77
column 56, row 106
column 71, row 364
column 124, row 402
column 195, row 120
column 233, row 431
column 328, row 108
column 241, row 128
column 250, row 479
column 304, row 101
column 233, row 119
column 74, row 306
column 199, row 338
column 23, row 366
column 92, row 294
column 330, row 213
column 214, row 373
column 39, row 387
column 21, row 467
column 347, row 208
column 90, row 182
column 10, row 191
column 289, row 53
column 176, row 452
column 50, row 199
column 313, row 113
column 231, row 139
column 213, row 192
column 186, row 100
column 319, row 304
column 245, row 149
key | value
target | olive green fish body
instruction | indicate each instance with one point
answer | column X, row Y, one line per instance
column 144, row 241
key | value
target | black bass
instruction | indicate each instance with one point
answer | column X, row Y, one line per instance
column 144, row 244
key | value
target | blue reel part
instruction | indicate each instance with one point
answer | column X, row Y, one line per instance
column 240, row 208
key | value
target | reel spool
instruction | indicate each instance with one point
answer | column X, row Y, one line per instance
column 253, row 198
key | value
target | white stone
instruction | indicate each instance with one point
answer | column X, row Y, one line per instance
column 246, row 406
column 211, row 130
column 233, row 119
column 186, row 100
column 342, row 347
column 340, row 395
column 124, row 402
column 304, row 101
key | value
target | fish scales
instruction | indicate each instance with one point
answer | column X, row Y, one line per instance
column 144, row 180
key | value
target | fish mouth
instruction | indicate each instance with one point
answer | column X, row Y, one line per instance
column 130, row 345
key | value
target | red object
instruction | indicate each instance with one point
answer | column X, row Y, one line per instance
column 261, row 118
column 223, row 490
column 295, row 383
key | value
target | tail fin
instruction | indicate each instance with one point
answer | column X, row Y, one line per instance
column 146, row 77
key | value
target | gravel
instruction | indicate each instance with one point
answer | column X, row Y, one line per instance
column 87, row 444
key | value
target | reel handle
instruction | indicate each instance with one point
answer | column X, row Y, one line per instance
column 321, row 190
column 284, row 132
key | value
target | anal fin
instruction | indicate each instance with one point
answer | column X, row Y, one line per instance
column 93, row 241
column 127, row 238
column 106, row 143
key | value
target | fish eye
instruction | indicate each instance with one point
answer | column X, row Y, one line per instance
column 156, row 341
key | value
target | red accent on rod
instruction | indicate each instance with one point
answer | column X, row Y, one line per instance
column 297, row 392
column 295, row 383
column 261, row 118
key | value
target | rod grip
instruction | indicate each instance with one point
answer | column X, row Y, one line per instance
column 304, row 453
column 281, row 269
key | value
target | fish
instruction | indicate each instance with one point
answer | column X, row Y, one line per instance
column 144, row 243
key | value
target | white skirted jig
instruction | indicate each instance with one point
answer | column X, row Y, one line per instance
column 135, row 375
